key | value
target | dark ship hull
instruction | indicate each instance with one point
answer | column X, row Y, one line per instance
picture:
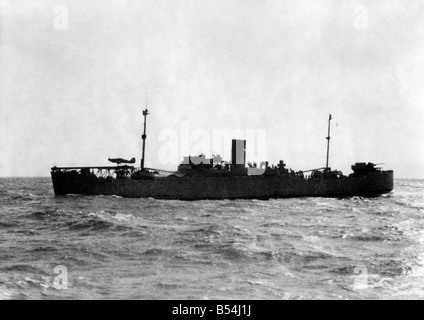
column 215, row 187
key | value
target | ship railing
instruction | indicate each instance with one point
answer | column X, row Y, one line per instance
column 99, row 172
column 161, row 171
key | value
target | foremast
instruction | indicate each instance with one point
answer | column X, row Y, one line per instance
column 143, row 137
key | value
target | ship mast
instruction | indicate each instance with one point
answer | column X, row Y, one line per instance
column 328, row 141
column 144, row 136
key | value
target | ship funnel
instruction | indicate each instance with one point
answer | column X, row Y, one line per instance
column 238, row 155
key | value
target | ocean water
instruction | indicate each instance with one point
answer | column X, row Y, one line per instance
column 80, row 247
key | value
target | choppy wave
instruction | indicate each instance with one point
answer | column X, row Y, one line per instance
column 149, row 249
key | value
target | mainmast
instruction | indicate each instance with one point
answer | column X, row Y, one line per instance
column 144, row 136
column 328, row 141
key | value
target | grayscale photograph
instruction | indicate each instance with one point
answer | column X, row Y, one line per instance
column 211, row 150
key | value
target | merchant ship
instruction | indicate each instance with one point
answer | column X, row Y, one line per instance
column 199, row 178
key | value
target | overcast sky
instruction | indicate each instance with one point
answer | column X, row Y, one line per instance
column 74, row 77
